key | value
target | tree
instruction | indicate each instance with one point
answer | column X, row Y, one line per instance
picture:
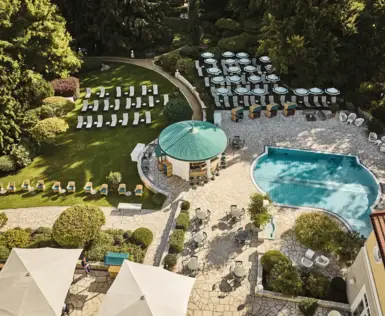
column 316, row 284
column 271, row 258
column 285, row 278
column 46, row 130
column 308, row 306
column 193, row 23
column 16, row 238
column 77, row 225
column 258, row 213
column 177, row 110
column 114, row 178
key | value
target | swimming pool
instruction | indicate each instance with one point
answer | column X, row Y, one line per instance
column 336, row 183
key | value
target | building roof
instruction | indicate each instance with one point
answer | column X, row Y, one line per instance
column 378, row 223
column 192, row 141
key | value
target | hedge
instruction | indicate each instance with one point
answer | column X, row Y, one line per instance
column 7, row 164
column 177, row 241
column 15, row 238
column 168, row 61
column 47, row 129
column 4, row 252
column 68, row 87
column 170, row 261
column 182, row 221
column 185, row 66
column 185, row 205
column 142, row 236
column 177, row 110
column 271, row 258
column 56, row 106
column 316, row 284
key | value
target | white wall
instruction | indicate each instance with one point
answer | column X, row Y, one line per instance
column 180, row 168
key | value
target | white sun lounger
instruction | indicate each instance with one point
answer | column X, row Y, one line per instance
column 213, row 92
column 200, row 73
column 271, row 99
column 144, row 90
column 293, row 98
column 165, row 98
column 135, row 122
column 100, row 121
column 266, row 87
column 197, row 64
column 80, row 122
column 252, row 99
column 351, row 118
column 324, row 102
column 128, row 103
column 207, row 82
column 151, row 101
column 282, row 100
column 85, row 105
column 334, row 99
column 114, row 119
column 125, row 119
column 96, row 106
column 106, row 105
column 88, row 93
column 225, row 72
column 132, row 91
column 315, row 101
column 89, row 121
column 117, row 104
column 263, row 77
column 227, row 103
column 263, row 100
column 155, row 89
column 138, row 102
column 248, row 86
column 148, row 117
column 306, row 102
column 275, row 85
column 102, row 92
column 243, row 79
column 118, row 92
column 246, row 102
column 235, row 101
column 343, row 117
column 358, row 122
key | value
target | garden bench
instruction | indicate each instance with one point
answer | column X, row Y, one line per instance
column 130, row 206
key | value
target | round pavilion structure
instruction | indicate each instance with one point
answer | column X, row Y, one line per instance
column 191, row 149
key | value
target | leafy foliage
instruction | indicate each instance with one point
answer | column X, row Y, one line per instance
column 7, row 164
column 185, row 205
column 347, row 245
column 47, row 129
column 192, row 52
column 182, row 221
column 177, row 110
column 16, row 238
column 3, row 219
column 285, row 278
column 21, row 155
column 142, row 236
column 316, row 284
column 308, row 306
column 177, row 241
column 228, row 24
column 114, row 178
column 170, row 261
column 77, row 225
column 271, row 258
column 56, row 106
column 237, row 43
column 168, row 61
column 258, row 213
column 193, row 23
column 4, row 252
column 67, row 87
column 185, row 66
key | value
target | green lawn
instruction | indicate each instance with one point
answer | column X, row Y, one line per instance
column 89, row 155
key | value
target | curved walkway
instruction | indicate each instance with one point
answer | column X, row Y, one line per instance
column 149, row 64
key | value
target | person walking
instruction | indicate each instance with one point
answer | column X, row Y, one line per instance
column 85, row 265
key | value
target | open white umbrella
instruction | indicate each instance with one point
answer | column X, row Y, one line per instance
column 235, row 79
column 35, row 282
column 222, row 91
column 332, row 91
column 254, row 79
column 234, row 70
column 316, row 91
column 217, row 80
column 250, row 68
column 213, row 71
column 258, row 91
column 280, row 90
column 264, row 59
column 228, row 54
column 242, row 55
column 301, row 92
column 241, row 91
column 244, row 61
column 145, row 290
column 207, row 55
column 272, row 78
column 230, row 61
column 210, row 61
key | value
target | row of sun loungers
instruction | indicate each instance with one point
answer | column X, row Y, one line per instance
column 102, row 93
column 88, row 121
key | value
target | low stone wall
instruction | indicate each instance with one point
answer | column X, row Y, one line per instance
column 193, row 91
column 259, row 291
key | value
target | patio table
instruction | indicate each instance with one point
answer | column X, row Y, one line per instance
column 193, row 264
column 201, row 215
column 235, row 212
column 239, row 272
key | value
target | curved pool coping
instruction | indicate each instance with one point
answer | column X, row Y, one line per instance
column 340, row 218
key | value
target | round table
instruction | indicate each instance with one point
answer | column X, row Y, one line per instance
column 239, row 272
column 62, row 191
column 201, row 215
column 236, row 212
column 193, row 264
column 334, row 313
column 128, row 193
column 3, row 191
column 93, row 192
column 198, row 238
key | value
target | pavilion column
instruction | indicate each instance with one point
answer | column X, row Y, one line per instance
column 208, row 167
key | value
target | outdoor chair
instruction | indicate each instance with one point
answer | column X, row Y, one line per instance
column 106, row 105
column 114, row 120
column 40, row 186
column 343, row 117
column 132, row 91
column 151, row 101
column 104, row 189
column 138, row 102
column 192, row 267
column 11, row 187
column 358, row 122
column 118, row 92
column 351, row 118
column 96, row 106
column 148, row 117
column 56, row 188
column 207, row 219
column 88, row 187
column 71, row 187
column 85, row 105
column 321, row 261
column 128, row 103
column 117, row 105
column 89, row 121
column 80, row 122
column 307, row 261
column 135, row 122
column 99, row 123
column 125, row 119
column 102, row 92
column 122, row 189
column 155, row 89
column 88, row 93
column 139, row 190
column 26, row 186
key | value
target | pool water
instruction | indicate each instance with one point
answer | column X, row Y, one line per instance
column 336, row 183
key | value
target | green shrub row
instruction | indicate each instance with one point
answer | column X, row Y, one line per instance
column 183, row 221
column 176, row 241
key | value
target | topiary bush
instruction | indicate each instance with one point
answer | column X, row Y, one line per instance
column 185, row 205
column 316, row 230
column 177, row 241
column 21, row 156
column 16, row 238
column 56, row 106
column 4, row 253
column 168, row 61
column 102, row 239
column 68, row 87
column 308, row 306
column 170, row 261
column 77, row 225
column 43, row 230
column 177, row 110
column 47, row 130
column 185, row 66
column 285, row 278
column 271, row 258
column 7, row 164
column 182, row 221
column 258, row 213
column 316, row 284
column 3, row 219
column 42, row 240
column 158, row 198
column 142, row 236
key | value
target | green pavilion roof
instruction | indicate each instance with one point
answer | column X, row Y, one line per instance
column 192, row 141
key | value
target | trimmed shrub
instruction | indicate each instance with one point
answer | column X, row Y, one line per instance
column 316, row 231
column 177, row 241
column 170, row 261
column 308, row 306
column 258, row 213
column 168, row 61
column 47, row 130
column 285, row 278
column 375, row 126
column 158, row 198
column 135, row 251
column 192, row 52
column 96, row 253
column 271, row 258
column 127, row 234
column 7, row 164
column 182, row 221
column 316, row 284
column 68, row 87
column 237, row 43
column 56, row 106
column 185, row 205
column 103, row 239
column 16, row 238
column 21, row 156
column 142, row 236
column 4, row 253
column 3, row 219
column 185, row 66
column 30, row 118
column 347, row 245
column 77, row 225
column 227, row 24
column 177, row 110
column 43, row 230
column 42, row 240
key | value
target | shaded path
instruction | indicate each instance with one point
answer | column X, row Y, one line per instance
column 149, row 64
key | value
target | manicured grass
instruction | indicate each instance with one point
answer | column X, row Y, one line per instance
column 89, row 155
